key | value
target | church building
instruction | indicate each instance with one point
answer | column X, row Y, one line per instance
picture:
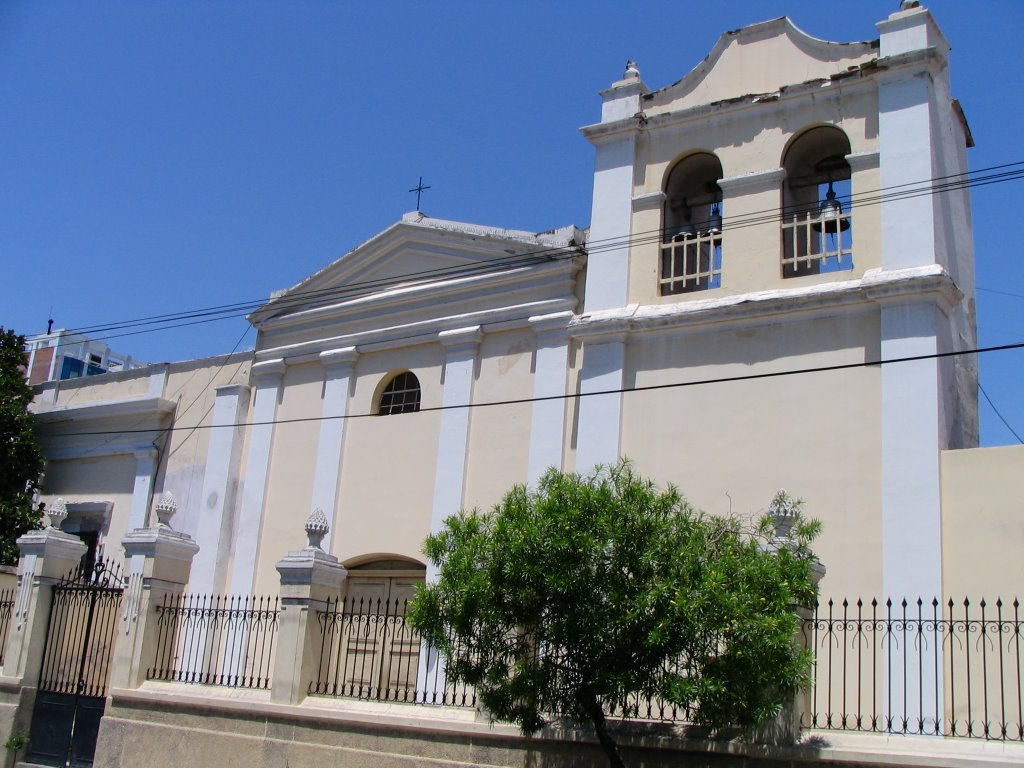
column 768, row 295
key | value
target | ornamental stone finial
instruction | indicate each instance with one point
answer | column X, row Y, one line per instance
column 165, row 509
column 632, row 71
column 58, row 513
column 783, row 511
column 316, row 528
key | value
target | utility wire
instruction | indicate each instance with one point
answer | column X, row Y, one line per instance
column 530, row 258
column 203, row 391
column 578, row 395
column 1005, row 422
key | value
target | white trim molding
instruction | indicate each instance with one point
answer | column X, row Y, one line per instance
column 142, row 492
column 611, row 223
column 339, row 367
column 547, row 422
column 267, row 378
column 220, row 483
column 599, row 429
column 461, row 347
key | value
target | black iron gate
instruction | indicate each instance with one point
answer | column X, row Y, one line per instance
column 76, row 666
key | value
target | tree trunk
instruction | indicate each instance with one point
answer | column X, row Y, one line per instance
column 601, row 729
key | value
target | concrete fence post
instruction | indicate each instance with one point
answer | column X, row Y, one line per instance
column 785, row 728
column 310, row 579
column 46, row 557
column 158, row 562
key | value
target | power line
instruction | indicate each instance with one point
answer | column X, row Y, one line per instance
column 1005, row 422
column 1000, row 293
column 202, row 392
column 577, row 395
column 354, row 290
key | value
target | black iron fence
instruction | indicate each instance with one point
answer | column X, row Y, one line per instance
column 216, row 640
column 369, row 651
column 6, row 612
column 951, row 669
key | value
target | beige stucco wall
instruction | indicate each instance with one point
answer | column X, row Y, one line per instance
column 91, row 389
column 192, row 385
column 730, row 446
column 104, row 478
column 102, row 467
column 499, row 439
column 759, row 59
column 290, row 481
column 388, row 466
column 983, row 523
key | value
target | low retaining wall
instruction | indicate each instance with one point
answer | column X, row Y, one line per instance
column 177, row 726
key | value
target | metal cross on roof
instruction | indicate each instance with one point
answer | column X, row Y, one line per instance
column 418, row 189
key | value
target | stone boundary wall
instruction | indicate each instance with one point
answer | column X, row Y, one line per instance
column 174, row 725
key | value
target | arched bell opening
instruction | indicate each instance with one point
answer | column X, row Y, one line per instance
column 817, row 231
column 691, row 251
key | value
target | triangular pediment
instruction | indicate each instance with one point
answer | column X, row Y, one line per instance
column 415, row 250
column 760, row 58
column 418, row 271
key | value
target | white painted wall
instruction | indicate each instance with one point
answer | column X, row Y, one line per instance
column 600, row 415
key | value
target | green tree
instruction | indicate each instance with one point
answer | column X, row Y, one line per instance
column 568, row 600
column 21, row 460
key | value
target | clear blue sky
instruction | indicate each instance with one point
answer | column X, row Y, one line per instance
column 161, row 156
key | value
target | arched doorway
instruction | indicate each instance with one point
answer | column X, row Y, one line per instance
column 377, row 651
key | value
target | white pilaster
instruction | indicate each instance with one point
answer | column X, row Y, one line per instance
column 450, row 474
column 610, row 224
column 267, row 377
column 911, row 508
column 145, row 468
column 611, row 211
column 600, row 415
column 220, row 484
column 461, row 347
column 907, row 140
column 550, row 371
column 339, row 365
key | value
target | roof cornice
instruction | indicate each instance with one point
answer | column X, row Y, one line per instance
column 877, row 286
column 105, row 409
column 409, row 297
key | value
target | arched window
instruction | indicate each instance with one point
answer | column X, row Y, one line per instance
column 691, row 253
column 816, row 225
column 401, row 395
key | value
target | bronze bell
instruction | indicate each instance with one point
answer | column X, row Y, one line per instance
column 830, row 214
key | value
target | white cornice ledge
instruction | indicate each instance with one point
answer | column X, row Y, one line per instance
column 399, row 299
column 648, row 201
column 106, row 409
column 877, row 285
column 409, row 334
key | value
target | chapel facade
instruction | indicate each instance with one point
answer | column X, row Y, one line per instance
column 731, row 320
